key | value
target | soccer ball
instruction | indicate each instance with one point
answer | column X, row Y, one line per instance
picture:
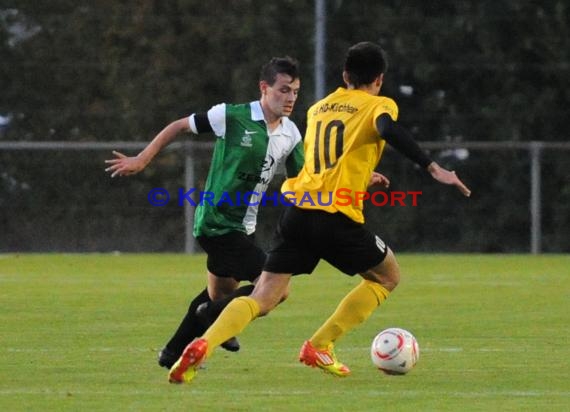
column 395, row 351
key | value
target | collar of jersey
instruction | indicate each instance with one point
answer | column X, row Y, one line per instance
column 256, row 111
column 257, row 115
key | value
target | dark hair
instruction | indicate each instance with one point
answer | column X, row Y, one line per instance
column 279, row 65
column 364, row 62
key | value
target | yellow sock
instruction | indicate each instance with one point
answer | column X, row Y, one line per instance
column 354, row 309
column 233, row 319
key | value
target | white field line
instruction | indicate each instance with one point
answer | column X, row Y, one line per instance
column 102, row 349
column 342, row 349
column 253, row 392
column 450, row 349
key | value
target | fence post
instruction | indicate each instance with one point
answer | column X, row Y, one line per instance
column 188, row 208
column 320, row 47
column 535, row 150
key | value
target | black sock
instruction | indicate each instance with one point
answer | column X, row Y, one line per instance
column 216, row 307
column 190, row 327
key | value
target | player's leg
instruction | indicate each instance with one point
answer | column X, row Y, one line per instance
column 232, row 321
column 352, row 249
column 194, row 325
column 354, row 308
column 231, row 257
column 189, row 328
column 267, row 294
column 219, row 287
column 241, row 259
column 360, row 302
column 209, row 311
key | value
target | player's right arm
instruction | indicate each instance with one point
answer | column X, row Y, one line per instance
column 123, row 165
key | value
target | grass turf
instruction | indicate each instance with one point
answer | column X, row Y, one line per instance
column 80, row 332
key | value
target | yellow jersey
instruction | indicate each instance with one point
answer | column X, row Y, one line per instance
column 342, row 148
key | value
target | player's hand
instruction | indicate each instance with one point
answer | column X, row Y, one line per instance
column 448, row 178
column 379, row 179
column 124, row 165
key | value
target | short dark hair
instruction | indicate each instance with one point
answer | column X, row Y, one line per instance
column 364, row 62
column 279, row 65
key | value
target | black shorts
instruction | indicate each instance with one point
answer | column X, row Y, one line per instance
column 233, row 255
column 303, row 237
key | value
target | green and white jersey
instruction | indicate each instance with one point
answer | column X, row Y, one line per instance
column 246, row 157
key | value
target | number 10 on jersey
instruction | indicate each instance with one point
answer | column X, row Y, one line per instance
column 323, row 148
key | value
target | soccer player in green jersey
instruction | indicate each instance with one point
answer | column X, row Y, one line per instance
column 344, row 141
column 254, row 140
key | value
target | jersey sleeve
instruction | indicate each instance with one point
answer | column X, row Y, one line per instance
column 388, row 106
column 295, row 161
column 296, row 157
column 401, row 140
column 199, row 123
column 217, row 118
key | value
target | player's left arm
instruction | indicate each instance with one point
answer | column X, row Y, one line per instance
column 401, row 140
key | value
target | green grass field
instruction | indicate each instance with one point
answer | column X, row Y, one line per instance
column 81, row 332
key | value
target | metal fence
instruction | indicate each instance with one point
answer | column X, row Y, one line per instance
column 192, row 159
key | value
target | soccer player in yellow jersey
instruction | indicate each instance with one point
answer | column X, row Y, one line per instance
column 345, row 137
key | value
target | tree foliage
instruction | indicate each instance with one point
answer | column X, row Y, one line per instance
column 477, row 70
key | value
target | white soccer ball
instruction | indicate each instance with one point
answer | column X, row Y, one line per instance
column 395, row 351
